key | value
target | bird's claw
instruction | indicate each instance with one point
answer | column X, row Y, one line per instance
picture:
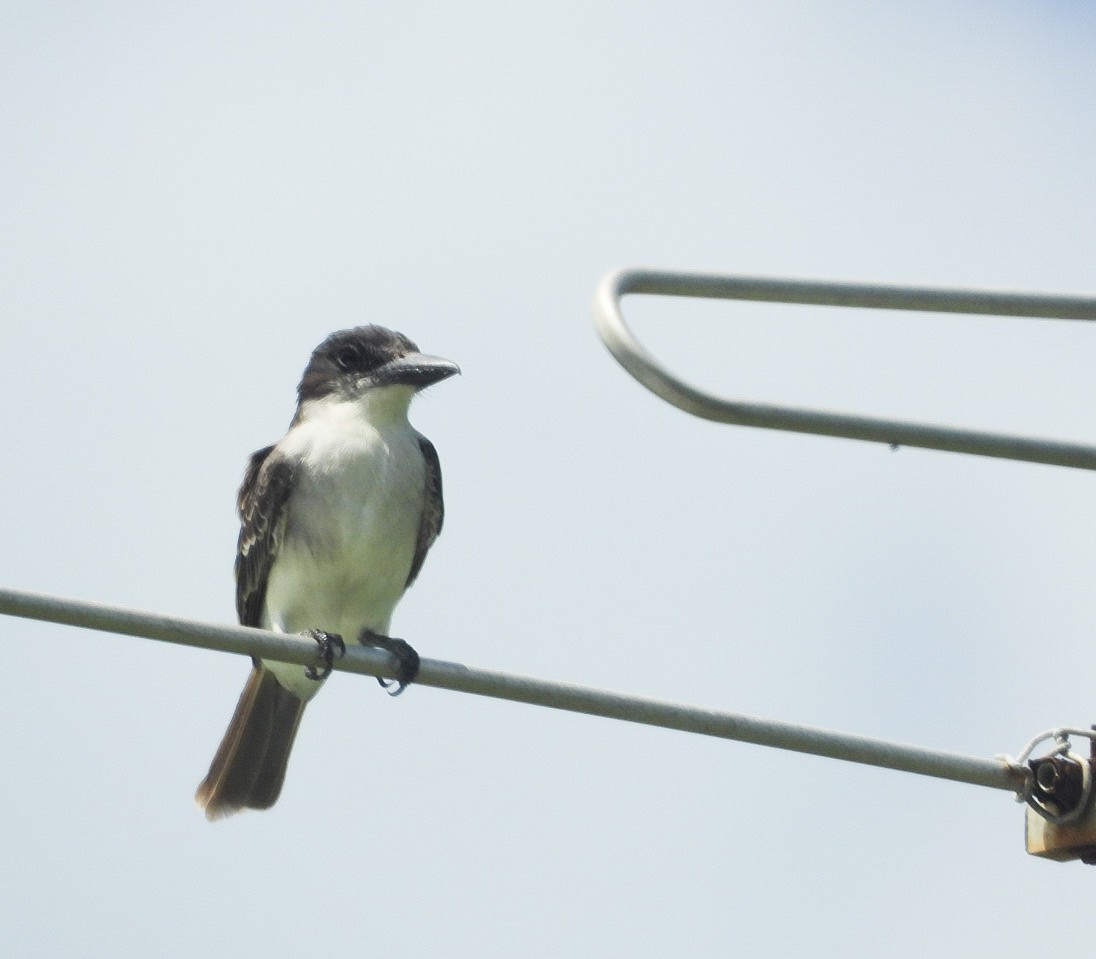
column 405, row 655
column 330, row 645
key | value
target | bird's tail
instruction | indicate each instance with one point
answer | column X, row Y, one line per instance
column 249, row 767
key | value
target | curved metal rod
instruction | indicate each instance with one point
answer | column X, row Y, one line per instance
column 631, row 354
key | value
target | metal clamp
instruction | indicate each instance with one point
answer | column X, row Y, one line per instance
column 1060, row 785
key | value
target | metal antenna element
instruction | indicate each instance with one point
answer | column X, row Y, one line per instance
column 660, row 381
column 998, row 773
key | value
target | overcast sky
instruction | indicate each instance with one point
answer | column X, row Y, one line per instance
column 193, row 195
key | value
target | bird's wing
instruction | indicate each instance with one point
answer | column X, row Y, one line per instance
column 261, row 504
column 433, row 509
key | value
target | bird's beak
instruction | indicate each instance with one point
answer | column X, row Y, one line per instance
column 415, row 369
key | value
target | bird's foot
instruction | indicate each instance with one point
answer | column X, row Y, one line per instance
column 405, row 656
column 330, row 645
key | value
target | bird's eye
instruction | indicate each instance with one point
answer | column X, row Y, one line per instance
column 347, row 358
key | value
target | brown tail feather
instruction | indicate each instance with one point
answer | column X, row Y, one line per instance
column 249, row 767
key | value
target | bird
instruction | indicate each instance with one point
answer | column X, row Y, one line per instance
column 336, row 519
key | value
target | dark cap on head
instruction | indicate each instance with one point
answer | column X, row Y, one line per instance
column 366, row 357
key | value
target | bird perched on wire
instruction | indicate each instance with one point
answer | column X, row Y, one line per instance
column 336, row 520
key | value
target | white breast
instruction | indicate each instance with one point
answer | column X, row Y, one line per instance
column 352, row 522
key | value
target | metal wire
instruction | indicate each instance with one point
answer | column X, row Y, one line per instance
column 999, row 773
column 652, row 374
column 1060, row 735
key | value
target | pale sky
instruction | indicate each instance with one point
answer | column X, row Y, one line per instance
column 194, row 195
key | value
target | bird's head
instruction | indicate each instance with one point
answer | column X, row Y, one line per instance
column 370, row 362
